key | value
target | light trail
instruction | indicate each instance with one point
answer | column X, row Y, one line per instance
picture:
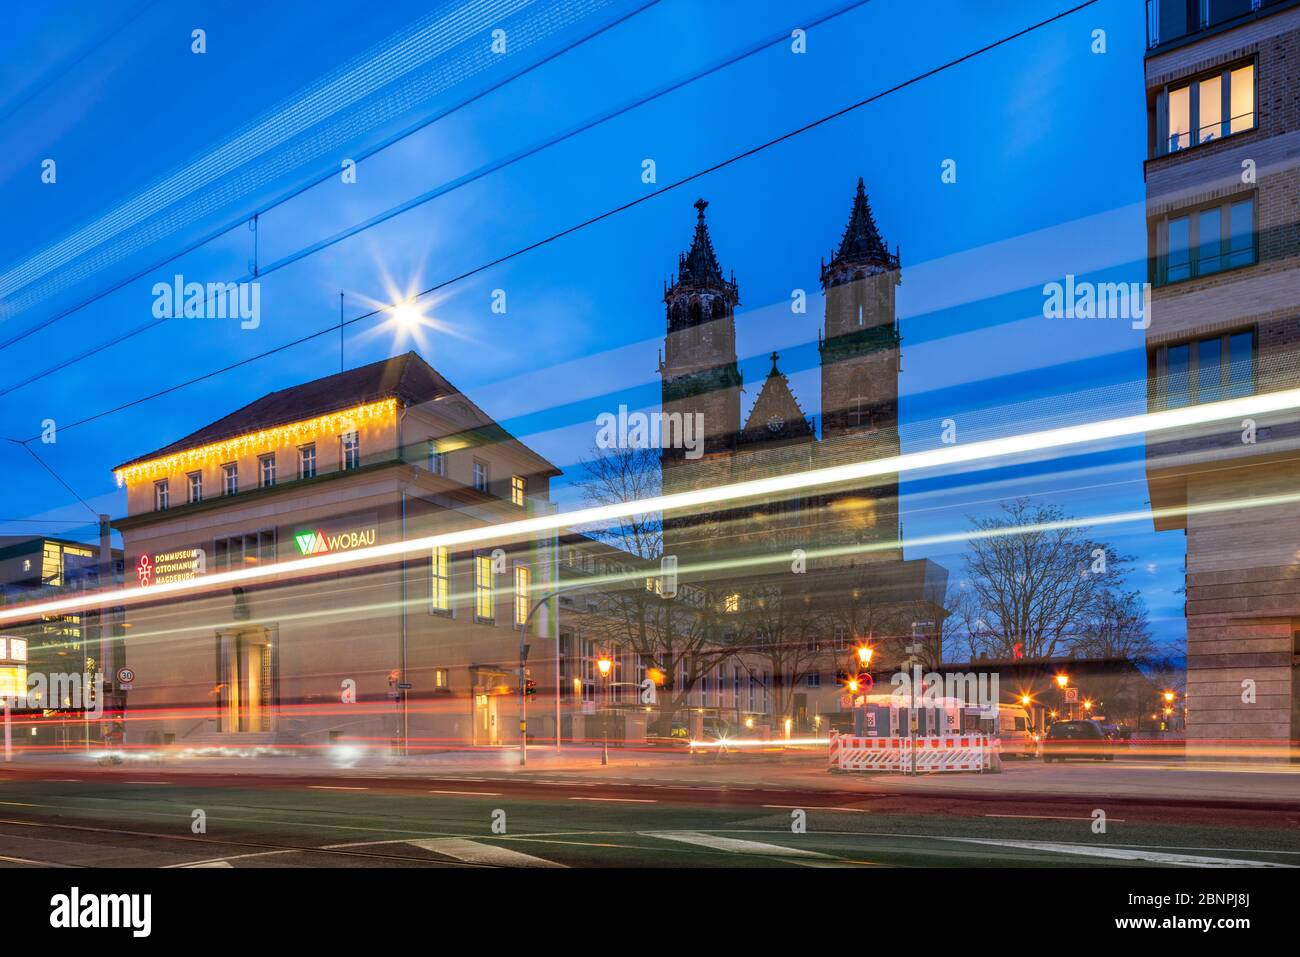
column 946, row 457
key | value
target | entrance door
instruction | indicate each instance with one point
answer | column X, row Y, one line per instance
column 485, row 720
column 246, row 680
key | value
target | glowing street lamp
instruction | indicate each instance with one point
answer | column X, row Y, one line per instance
column 1169, row 697
column 605, row 665
column 1062, row 681
column 865, row 654
column 1025, row 700
column 1087, row 706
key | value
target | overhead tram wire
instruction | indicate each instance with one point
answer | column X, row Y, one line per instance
column 57, row 477
column 428, row 196
column 653, row 194
column 217, row 233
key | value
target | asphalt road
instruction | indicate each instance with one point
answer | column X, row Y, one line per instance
column 146, row 817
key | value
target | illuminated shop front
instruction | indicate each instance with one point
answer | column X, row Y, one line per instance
column 422, row 649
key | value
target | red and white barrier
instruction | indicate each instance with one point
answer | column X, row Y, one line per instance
column 964, row 752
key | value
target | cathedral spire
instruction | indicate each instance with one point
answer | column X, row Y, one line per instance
column 699, row 266
column 861, row 240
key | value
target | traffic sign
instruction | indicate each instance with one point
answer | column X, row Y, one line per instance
column 125, row 676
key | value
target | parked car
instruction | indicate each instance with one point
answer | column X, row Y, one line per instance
column 1077, row 739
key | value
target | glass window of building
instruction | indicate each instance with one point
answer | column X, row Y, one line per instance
column 230, row 478
column 523, row 591
column 161, row 495
column 195, row 486
column 480, row 475
column 307, row 461
column 484, row 606
column 437, row 460
column 518, row 489
column 440, row 580
column 351, row 445
column 1206, row 241
column 1207, row 370
column 266, row 470
column 1205, row 109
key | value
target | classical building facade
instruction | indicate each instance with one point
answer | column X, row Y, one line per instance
column 1223, row 96
column 421, row 649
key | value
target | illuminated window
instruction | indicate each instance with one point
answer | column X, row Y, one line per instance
column 440, row 679
column 731, row 604
column 523, row 589
column 440, row 580
column 230, row 479
column 161, row 495
column 195, row 486
column 351, row 445
column 266, row 470
column 518, row 489
column 480, row 475
column 307, row 461
column 484, row 607
column 437, row 460
column 1205, row 109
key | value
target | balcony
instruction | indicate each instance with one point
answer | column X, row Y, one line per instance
column 1169, row 21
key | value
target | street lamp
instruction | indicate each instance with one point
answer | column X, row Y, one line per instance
column 865, row 654
column 605, row 665
column 1062, row 681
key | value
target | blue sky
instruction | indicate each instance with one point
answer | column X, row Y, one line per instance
column 1047, row 137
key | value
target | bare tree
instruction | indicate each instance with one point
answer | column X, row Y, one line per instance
column 1035, row 579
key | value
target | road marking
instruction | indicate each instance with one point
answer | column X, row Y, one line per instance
column 475, row 793
column 23, row 860
column 733, row 845
column 619, row 800
column 217, row 863
column 472, row 852
column 334, row 787
column 19, row 804
column 146, row 782
column 59, row 780
column 1123, row 854
column 1048, row 817
column 807, row 807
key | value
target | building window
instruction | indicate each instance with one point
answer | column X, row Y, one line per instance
column 1209, row 108
column 307, row 461
column 351, row 445
column 1207, row 370
column 437, row 460
column 266, row 470
column 518, row 489
column 230, row 479
column 814, row 680
column 523, row 592
column 484, row 607
column 161, row 495
column 440, row 580
column 440, row 682
column 244, row 551
column 731, row 604
column 195, row 486
column 1204, row 241
column 480, row 475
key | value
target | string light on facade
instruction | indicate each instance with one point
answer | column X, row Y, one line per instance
column 270, row 438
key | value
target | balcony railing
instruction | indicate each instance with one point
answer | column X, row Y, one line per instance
column 1170, row 20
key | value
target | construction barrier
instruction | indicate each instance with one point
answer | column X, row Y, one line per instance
column 928, row 754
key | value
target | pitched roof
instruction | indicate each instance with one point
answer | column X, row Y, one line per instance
column 776, row 413
column 407, row 378
column 699, row 265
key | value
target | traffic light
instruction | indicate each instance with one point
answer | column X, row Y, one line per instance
column 530, row 687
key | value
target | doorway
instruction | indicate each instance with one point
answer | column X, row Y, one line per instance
column 246, row 669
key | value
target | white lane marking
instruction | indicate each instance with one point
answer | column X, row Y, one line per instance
column 475, row 793
column 60, row 780
column 19, row 804
column 146, row 782
column 220, row 863
column 1123, row 854
column 1048, row 817
column 814, row 807
column 733, row 845
column 472, row 852
column 24, row 860
column 333, row 787
column 619, row 800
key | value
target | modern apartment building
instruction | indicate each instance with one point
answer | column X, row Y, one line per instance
column 1223, row 208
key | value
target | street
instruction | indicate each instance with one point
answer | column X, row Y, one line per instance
column 699, row 814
